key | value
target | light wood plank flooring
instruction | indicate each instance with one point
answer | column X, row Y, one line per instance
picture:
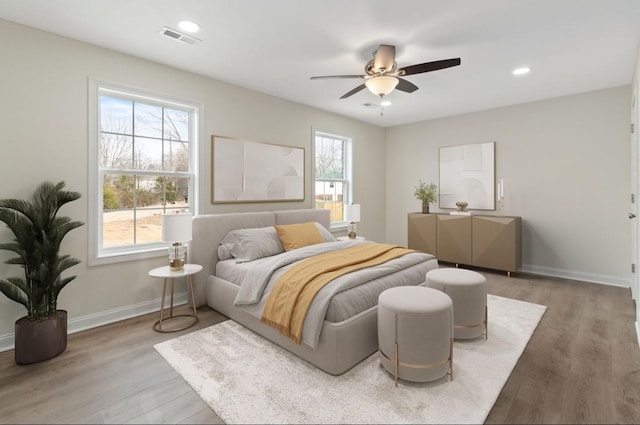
column 582, row 365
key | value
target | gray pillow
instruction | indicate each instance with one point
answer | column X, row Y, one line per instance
column 250, row 244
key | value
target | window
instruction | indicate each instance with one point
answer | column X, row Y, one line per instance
column 332, row 173
column 142, row 165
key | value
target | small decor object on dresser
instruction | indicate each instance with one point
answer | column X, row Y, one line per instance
column 427, row 193
column 462, row 206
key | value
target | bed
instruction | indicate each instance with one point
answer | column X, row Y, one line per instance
column 346, row 335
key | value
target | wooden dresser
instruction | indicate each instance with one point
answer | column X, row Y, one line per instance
column 489, row 241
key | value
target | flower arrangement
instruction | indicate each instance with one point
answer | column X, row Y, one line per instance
column 426, row 192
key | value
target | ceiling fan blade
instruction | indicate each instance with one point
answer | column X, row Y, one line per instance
column 337, row 76
column 429, row 66
column 352, row 92
column 406, row 86
column 384, row 58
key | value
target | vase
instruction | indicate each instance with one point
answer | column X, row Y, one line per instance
column 40, row 339
column 425, row 208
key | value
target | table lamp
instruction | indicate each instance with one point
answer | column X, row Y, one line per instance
column 352, row 215
column 176, row 228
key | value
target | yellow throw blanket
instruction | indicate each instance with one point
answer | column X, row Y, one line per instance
column 291, row 296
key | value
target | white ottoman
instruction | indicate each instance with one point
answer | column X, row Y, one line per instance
column 415, row 333
column 468, row 291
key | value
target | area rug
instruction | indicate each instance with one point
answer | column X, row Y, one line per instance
column 245, row 378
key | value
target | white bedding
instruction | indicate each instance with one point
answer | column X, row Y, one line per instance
column 234, row 272
column 343, row 297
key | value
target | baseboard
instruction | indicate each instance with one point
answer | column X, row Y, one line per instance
column 576, row 275
column 111, row 316
column 90, row 321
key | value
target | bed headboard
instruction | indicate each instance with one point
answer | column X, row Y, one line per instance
column 210, row 229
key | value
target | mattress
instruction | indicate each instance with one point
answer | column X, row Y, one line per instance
column 341, row 345
column 345, row 304
column 234, row 272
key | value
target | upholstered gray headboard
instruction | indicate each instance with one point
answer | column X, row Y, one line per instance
column 210, row 229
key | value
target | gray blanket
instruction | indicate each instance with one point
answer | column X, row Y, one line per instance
column 256, row 286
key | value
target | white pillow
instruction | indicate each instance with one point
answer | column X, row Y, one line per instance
column 326, row 235
column 224, row 253
column 250, row 244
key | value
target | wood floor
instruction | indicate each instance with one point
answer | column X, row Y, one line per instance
column 582, row 365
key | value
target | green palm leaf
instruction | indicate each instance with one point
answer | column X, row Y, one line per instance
column 13, row 292
column 38, row 234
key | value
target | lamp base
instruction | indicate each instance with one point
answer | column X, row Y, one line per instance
column 176, row 265
column 352, row 230
column 177, row 255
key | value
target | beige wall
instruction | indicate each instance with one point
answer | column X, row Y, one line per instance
column 43, row 113
column 635, row 97
column 565, row 165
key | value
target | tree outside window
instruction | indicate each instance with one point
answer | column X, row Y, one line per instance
column 144, row 152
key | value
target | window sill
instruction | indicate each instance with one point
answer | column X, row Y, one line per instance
column 339, row 227
column 121, row 257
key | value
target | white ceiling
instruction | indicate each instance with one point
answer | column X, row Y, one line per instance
column 274, row 46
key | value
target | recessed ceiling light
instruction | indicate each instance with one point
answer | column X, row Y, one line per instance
column 521, row 71
column 385, row 103
column 189, row 26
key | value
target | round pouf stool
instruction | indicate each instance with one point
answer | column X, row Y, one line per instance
column 468, row 291
column 415, row 333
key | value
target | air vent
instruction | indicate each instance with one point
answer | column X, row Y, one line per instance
column 178, row 36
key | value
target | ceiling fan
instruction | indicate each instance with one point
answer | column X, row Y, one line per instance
column 382, row 74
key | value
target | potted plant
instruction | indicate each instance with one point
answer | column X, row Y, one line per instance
column 38, row 232
column 427, row 193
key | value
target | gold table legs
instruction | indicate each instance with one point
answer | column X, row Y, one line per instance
column 397, row 363
column 157, row 326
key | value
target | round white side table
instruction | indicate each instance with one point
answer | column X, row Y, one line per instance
column 168, row 275
column 346, row 238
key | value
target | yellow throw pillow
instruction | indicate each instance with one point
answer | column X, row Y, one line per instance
column 295, row 236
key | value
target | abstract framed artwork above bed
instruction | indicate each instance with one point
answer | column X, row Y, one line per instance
column 340, row 329
column 248, row 171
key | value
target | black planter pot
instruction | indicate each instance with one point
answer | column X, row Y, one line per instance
column 42, row 339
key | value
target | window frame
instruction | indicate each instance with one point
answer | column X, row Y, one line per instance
column 347, row 180
column 99, row 255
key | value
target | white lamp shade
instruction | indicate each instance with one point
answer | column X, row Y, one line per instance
column 176, row 227
column 382, row 85
column 352, row 212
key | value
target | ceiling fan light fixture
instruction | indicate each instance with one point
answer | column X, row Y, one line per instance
column 382, row 85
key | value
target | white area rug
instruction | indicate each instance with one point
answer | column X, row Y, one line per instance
column 247, row 379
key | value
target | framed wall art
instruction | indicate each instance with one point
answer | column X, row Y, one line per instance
column 467, row 174
column 248, row 171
